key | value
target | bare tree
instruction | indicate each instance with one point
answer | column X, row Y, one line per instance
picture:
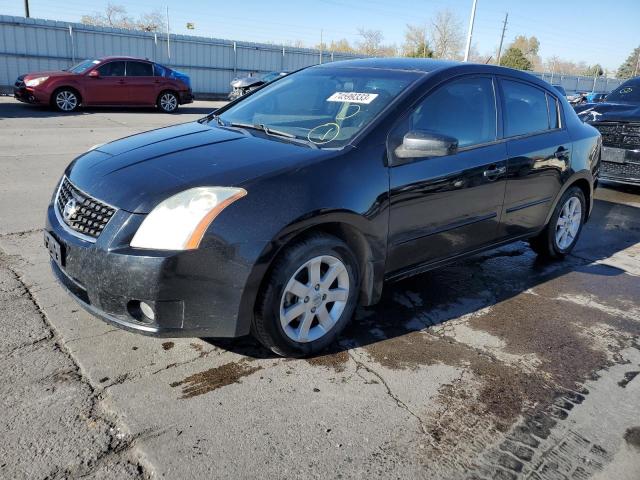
column 446, row 35
column 115, row 16
column 371, row 41
column 415, row 42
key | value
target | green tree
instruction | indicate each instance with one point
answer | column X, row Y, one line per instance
column 415, row 43
column 593, row 71
column 514, row 58
column 630, row 68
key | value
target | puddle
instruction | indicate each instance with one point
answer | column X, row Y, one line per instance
column 214, row 378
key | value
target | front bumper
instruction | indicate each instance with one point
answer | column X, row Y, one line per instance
column 193, row 293
column 26, row 95
column 625, row 172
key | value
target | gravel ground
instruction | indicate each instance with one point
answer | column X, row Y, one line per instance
column 498, row 367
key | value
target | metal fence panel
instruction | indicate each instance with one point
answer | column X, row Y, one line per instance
column 28, row 44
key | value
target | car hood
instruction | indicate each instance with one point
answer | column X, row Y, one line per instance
column 138, row 172
column 609, row 112
column 245, row 82
column 52, row 73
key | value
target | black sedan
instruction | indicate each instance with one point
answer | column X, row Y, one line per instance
column 285, row 209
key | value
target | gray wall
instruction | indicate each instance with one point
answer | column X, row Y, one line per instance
column 28, row 45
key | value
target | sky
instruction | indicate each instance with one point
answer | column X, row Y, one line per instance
column 577, row 30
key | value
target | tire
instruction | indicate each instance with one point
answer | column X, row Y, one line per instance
column 168, row 102
column 551, row 242
column 303, row 324
column 65, row 100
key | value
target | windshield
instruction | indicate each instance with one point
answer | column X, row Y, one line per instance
column 325, row 106
column 83, row 66
column 628, row 92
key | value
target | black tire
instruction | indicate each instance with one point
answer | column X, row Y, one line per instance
column 168, row 102
column 267, row 328
column 65, row 100
column 545, row 243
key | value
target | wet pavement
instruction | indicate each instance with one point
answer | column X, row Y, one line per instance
column 500, row 366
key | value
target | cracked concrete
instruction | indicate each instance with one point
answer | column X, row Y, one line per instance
column 497, row 367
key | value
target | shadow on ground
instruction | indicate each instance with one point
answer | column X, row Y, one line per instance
column 482, row 281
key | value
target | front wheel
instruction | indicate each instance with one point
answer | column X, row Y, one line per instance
column 309, row 298
column 562, row 232
column 168, row 102
column 66, row 100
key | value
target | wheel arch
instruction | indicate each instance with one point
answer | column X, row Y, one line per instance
column 362, row 242
column 583, row 180
column 75, row 90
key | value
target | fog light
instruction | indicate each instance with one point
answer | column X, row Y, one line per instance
column 147, row 311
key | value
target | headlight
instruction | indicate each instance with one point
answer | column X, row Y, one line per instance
column 179, row 222
column 34, row 82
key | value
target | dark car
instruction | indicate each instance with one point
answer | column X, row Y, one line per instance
column 242, row 86
column 618, row 119
column 282, row 211
column 113, row 81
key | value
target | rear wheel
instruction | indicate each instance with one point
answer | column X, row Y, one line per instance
column 66, row 100
column 310, row 297
column 168, row 102
column 562, row 232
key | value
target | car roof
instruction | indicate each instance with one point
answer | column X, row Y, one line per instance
column 412, row 64
column 124, row 57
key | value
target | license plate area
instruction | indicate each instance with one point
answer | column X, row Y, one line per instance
column 56, row 251
column 615, row 155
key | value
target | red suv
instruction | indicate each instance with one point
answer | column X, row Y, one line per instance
column 124, row 81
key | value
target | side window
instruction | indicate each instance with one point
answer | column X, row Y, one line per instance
column 112, row 69
column 139, row 69
column 464, row 109
column 525, row 109
column 552, row 105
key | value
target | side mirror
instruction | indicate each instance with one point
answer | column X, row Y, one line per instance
column 423, row 144
column 94, row 74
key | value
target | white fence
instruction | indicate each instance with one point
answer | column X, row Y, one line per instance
column 28, row 45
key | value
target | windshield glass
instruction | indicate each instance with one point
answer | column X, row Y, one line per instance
column 628, row 92
column 83, row 66
column 325, row 106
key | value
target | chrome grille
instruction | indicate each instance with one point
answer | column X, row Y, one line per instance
column 626, row 170
column 620, row 135
column 84, row 214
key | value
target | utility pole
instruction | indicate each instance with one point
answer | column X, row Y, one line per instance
column 26, row 8
column 504, row 29
column 168, row 47
column 320, row 46
column 470, row 32
column 424, row 42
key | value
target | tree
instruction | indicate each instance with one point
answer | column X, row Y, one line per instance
column 593, row 71
column 631, row 67
column 415, row 42
column 514, row 58
column 529, row 46
column 446, row 35
column 115, row 16
column 371, row 44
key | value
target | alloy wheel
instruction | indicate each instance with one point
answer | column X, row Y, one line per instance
column 168, row 102
column 66, row 100
column 568, row 223
column 314, row 298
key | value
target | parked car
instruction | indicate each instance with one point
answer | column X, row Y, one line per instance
column 279, row 213
column 618, row 119
column 122, row 81
column 242, row 86
column 594, row 97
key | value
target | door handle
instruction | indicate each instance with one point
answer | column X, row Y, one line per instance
column 494, row 172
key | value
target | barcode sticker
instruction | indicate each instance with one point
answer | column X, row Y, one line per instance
column 352, row 97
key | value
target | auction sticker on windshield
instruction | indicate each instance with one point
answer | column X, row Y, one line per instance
column 352, row 97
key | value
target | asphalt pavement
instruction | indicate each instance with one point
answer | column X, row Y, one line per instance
column 500, row 366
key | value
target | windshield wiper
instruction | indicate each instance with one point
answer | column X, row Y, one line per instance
column 274, row 133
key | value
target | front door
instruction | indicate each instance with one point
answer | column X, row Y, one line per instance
column 447, row 205
column 110, row 87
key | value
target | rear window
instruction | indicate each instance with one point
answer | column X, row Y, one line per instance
column 139, row 69
column 525, row 109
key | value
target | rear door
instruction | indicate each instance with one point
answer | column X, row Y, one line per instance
column 445, row 206
column 110, row 87
column 539, row 149
column 141, row 83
